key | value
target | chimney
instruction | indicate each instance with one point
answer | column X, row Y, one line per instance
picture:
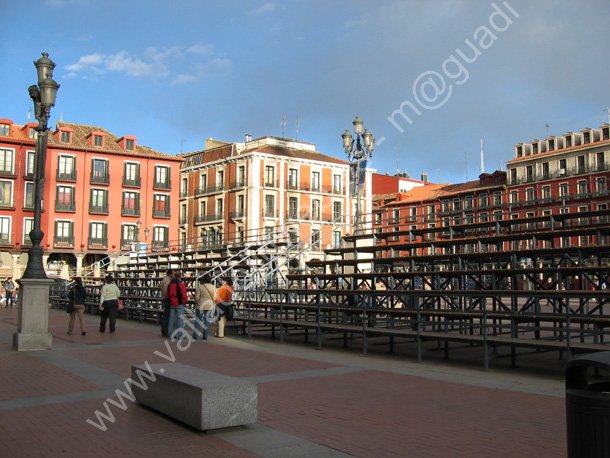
column 248, row 138
column 424, row 177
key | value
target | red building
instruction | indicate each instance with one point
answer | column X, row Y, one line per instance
column 103, row 195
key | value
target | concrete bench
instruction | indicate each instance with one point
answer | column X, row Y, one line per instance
column 202, row 399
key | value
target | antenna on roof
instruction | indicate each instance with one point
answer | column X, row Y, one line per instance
column 438, row 175
column 547, row 130
column 297, row 128
column 482, row 161
column 397, row 153
column 607, row 109
column 283, row 123
column 466, row 163
column 182, row 140
column 61, row 116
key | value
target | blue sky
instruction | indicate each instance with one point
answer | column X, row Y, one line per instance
column 175, row 73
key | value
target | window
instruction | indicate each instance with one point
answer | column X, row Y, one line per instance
column 65, row 136
column 98, row 140
column 568, row 141
column 64, row 233
column 184, row 187
column 293, row 208
column 315, row 239
column 29, row 163
column 202, row 209
column 269, row 176
column 546, row 171
column 315, row 181
column 6, row 193
column 99, row 171
column 600, row 185
column 5, row 229
column 293, row 236
column 292, row 179
column 581, row 164
column 315, row 210
column 183, row 214
column 129, row 234
column 66, row 170
column 241, row 205
column 28, row 226
column 220, row 180
column 241, row 176
column 546, row 193
column 160, row 237
column 456, row 204
column 468, row 203
column 28, row 197
column 269, row 207
column 514, row 197
column 513, row 176
column 5, row 129
column 98, row 203
column 564, row 190
column 530, row 196
column 130, row 145
column 161, row 206
column 162, row 178
column 219, row 208
column 337, row 184
column 337, row 239
column 131, row 203
column 64, row 201
column 600, row 161
column 582, row 189
column 98, row 234
column 131, row 174
column 337, row 210
column 6, row 161
column 529, row 173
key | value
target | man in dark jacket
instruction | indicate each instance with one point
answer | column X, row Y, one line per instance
column 176, row 293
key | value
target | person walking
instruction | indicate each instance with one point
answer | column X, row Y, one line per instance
column 109, row 303
column 77, row 296
column 224, row 300
column 9, row 289
column 176, row 293
column 165, row 302
column 205, row 298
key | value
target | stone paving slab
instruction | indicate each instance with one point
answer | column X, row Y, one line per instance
column 311, row 403
column 384, row 414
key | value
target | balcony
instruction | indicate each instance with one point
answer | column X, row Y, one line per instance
column 292, row 214
column 236, row 184
column 60, row 240
column 292, row 185
column 98, row 242
column 98, row 209
column 209, row 217
column 130, row 211
column 209, row 190
column 127, row 244
column 100, row 178
column 238, row 214
column 132, row 182
column 160, row 245
column 270, row 213
column 162, row 185
column 271, row 184
column 67, row 176
column 161, row 214
column 69, row 208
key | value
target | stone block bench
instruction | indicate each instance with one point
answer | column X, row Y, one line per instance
column 202, row 399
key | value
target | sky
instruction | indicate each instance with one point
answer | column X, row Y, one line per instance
column 430, row 79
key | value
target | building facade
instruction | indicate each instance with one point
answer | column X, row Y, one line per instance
column 102, row 195
column 240, row 193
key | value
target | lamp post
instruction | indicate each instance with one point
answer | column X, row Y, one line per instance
column 365, row 145
column 33, row 319
column 44, row 96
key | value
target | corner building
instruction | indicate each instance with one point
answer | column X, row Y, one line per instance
column 103, row 196
column 241, row 193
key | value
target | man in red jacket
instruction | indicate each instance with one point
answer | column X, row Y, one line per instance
column 176, row 293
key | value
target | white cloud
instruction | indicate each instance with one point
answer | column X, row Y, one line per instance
column 121, row 62
column 266, row 8
column 204, row 50
column 184, row 79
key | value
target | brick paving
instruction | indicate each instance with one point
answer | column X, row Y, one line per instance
column 311, row 403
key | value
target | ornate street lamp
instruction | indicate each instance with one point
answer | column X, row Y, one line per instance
column 43, row 95
column 361, row 154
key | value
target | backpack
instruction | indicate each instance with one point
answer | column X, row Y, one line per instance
column 178, row 289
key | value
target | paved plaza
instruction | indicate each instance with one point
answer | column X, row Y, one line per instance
column 324, row 403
